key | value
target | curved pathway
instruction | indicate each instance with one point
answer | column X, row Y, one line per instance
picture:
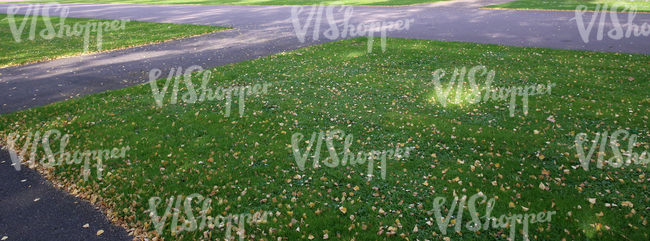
column 264, row 30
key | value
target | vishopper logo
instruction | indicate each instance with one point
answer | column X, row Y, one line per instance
column 206, row 93
column 617, row 32
column 49, row 32
column 475, row 224
column 348, row 156
column 191, row 223
column 615, row 161
column 64, row 156
column 474, row 95
column 333, row 32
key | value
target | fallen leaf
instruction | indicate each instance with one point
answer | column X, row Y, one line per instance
column 343, row 210
column 550, row 118
column 592, row 200
column 627, row 204
column 100, row 232
column 541, row 186
column 86, row 225
column 311, row 237
column 36, row 200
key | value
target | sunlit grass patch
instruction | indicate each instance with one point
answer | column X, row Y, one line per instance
column 245, row 164
column 37, row 48
column 570, row 5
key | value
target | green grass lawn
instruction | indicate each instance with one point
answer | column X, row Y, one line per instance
column 384, row 100
column 39, row 49
column 642, row 6
column 253, row 2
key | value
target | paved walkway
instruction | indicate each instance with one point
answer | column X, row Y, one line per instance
column 259, row 31
column 31, row 209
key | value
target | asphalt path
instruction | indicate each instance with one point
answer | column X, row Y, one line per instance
column 265, row 30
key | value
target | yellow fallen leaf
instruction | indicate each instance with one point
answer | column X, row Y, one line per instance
column 627, row 204
column 541, row 186
column 356, row 188
column 524, row 208
column 311, row 237
column 100, row 232
column 511, row 204
column 592, row 200
column 343, row 210
column 541, row 157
